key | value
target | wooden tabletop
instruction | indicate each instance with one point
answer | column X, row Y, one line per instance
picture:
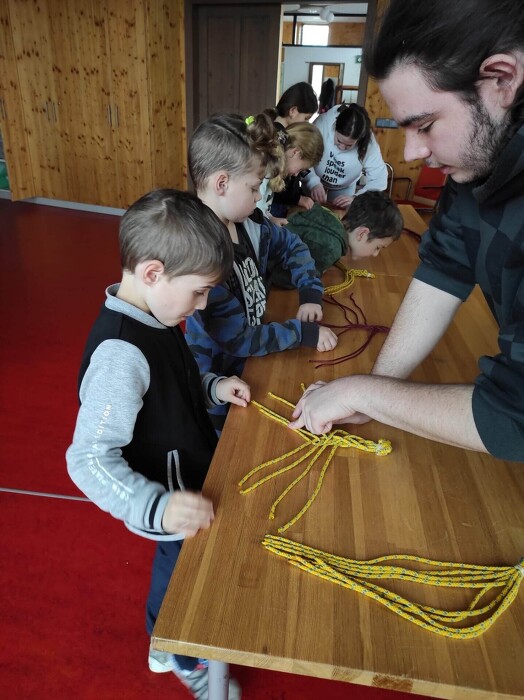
column 231, row 600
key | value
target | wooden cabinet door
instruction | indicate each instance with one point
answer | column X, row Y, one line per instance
column 12, row 120
column 130, row 98
column 32, row 40
column 166, row 89
column 81, row 52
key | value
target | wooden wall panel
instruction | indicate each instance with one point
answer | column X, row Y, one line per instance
column 81, row 52
column 346, row 33
column 129, row 98
column 167, row 93
column 287, row 32
column 12, row 120
column 391, row 141
column 340, row 33
column 37, row 74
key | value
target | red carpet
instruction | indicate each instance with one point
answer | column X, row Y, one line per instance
column 73, row 581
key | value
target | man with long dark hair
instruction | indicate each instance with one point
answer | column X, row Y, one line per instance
column 453, row 75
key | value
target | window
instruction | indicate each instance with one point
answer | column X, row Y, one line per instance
column 315, row 34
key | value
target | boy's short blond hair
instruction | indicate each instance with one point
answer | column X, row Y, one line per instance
column 178, row 229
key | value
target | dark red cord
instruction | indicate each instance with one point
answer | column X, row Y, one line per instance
column 352, row 325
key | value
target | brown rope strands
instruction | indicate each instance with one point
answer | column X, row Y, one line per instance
column 356, row 320
column 314, row 446
column 356, row 575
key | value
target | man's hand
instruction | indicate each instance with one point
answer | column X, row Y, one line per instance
column 318, row 409
column 309, row 312
column 233, row 390
column 318, row 194
column 327, row 340
column 187, row 512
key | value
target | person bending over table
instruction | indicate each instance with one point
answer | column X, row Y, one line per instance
column 460, row 98
column 350, row 149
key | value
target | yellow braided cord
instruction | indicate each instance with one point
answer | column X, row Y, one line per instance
column 349, row 278
column 354, row 575
column 317, row 444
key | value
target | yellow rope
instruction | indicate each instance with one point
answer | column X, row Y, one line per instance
column 354, row 575
column 349, row 278
column 317, row 444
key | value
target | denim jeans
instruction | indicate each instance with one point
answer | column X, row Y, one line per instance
column 163, row 565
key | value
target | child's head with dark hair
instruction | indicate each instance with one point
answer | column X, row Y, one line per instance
column 373, row 221
column 297, row 104
column 354, row 126
column 177, row 229
column 173, row 250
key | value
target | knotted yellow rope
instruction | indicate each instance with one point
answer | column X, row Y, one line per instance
column 354, row 575
column 349, row 278
column 317, row 445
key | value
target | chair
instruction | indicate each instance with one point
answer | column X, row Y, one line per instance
column 427, row 189
column 391, row 178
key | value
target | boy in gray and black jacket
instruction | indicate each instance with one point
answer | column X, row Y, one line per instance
column 143, row 440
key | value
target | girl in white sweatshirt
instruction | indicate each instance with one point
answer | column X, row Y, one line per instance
column 350, row 149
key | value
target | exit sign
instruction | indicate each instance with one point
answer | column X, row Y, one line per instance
column 358, row 59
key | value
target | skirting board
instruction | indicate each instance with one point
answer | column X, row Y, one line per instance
column 95, row 208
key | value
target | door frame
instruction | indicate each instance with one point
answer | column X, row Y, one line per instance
column 191, row 39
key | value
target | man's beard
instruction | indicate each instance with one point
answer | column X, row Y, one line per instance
column 485, row 144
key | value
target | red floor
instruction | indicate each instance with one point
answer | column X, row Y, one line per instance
column 73, row 581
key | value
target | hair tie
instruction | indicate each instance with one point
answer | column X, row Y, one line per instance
column 283, row 138
column 249, row 120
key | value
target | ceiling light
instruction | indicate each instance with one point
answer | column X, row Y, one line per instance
column 326, row 15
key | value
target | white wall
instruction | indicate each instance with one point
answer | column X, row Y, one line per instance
column 295, row 67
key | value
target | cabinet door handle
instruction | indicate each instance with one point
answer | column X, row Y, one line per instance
column 3, row 112
column 54, row 111
column 109, row 115
column 117, row 116
column 47, row 111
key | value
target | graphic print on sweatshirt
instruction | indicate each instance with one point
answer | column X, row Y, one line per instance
column 252, row 288
column 335, row 171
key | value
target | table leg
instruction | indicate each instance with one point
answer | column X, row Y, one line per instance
column 218, row 680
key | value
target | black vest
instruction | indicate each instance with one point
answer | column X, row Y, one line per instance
column 173, row 439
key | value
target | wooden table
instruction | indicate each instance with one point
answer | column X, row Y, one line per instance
column 230, row 600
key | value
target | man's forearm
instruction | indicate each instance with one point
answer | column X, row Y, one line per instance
column 441, row 412
column 423, row 317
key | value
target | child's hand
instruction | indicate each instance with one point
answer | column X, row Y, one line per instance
column 278, row 221
column 305, row 202
column 187, row 512
column 233, row 390
column 343, row 201
column 309, row 312
column 318, row 194
column 327, row 340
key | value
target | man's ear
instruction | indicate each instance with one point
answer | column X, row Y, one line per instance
column 292, row 112
column 150, row 271
column 362, row 233
column 501, row 77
